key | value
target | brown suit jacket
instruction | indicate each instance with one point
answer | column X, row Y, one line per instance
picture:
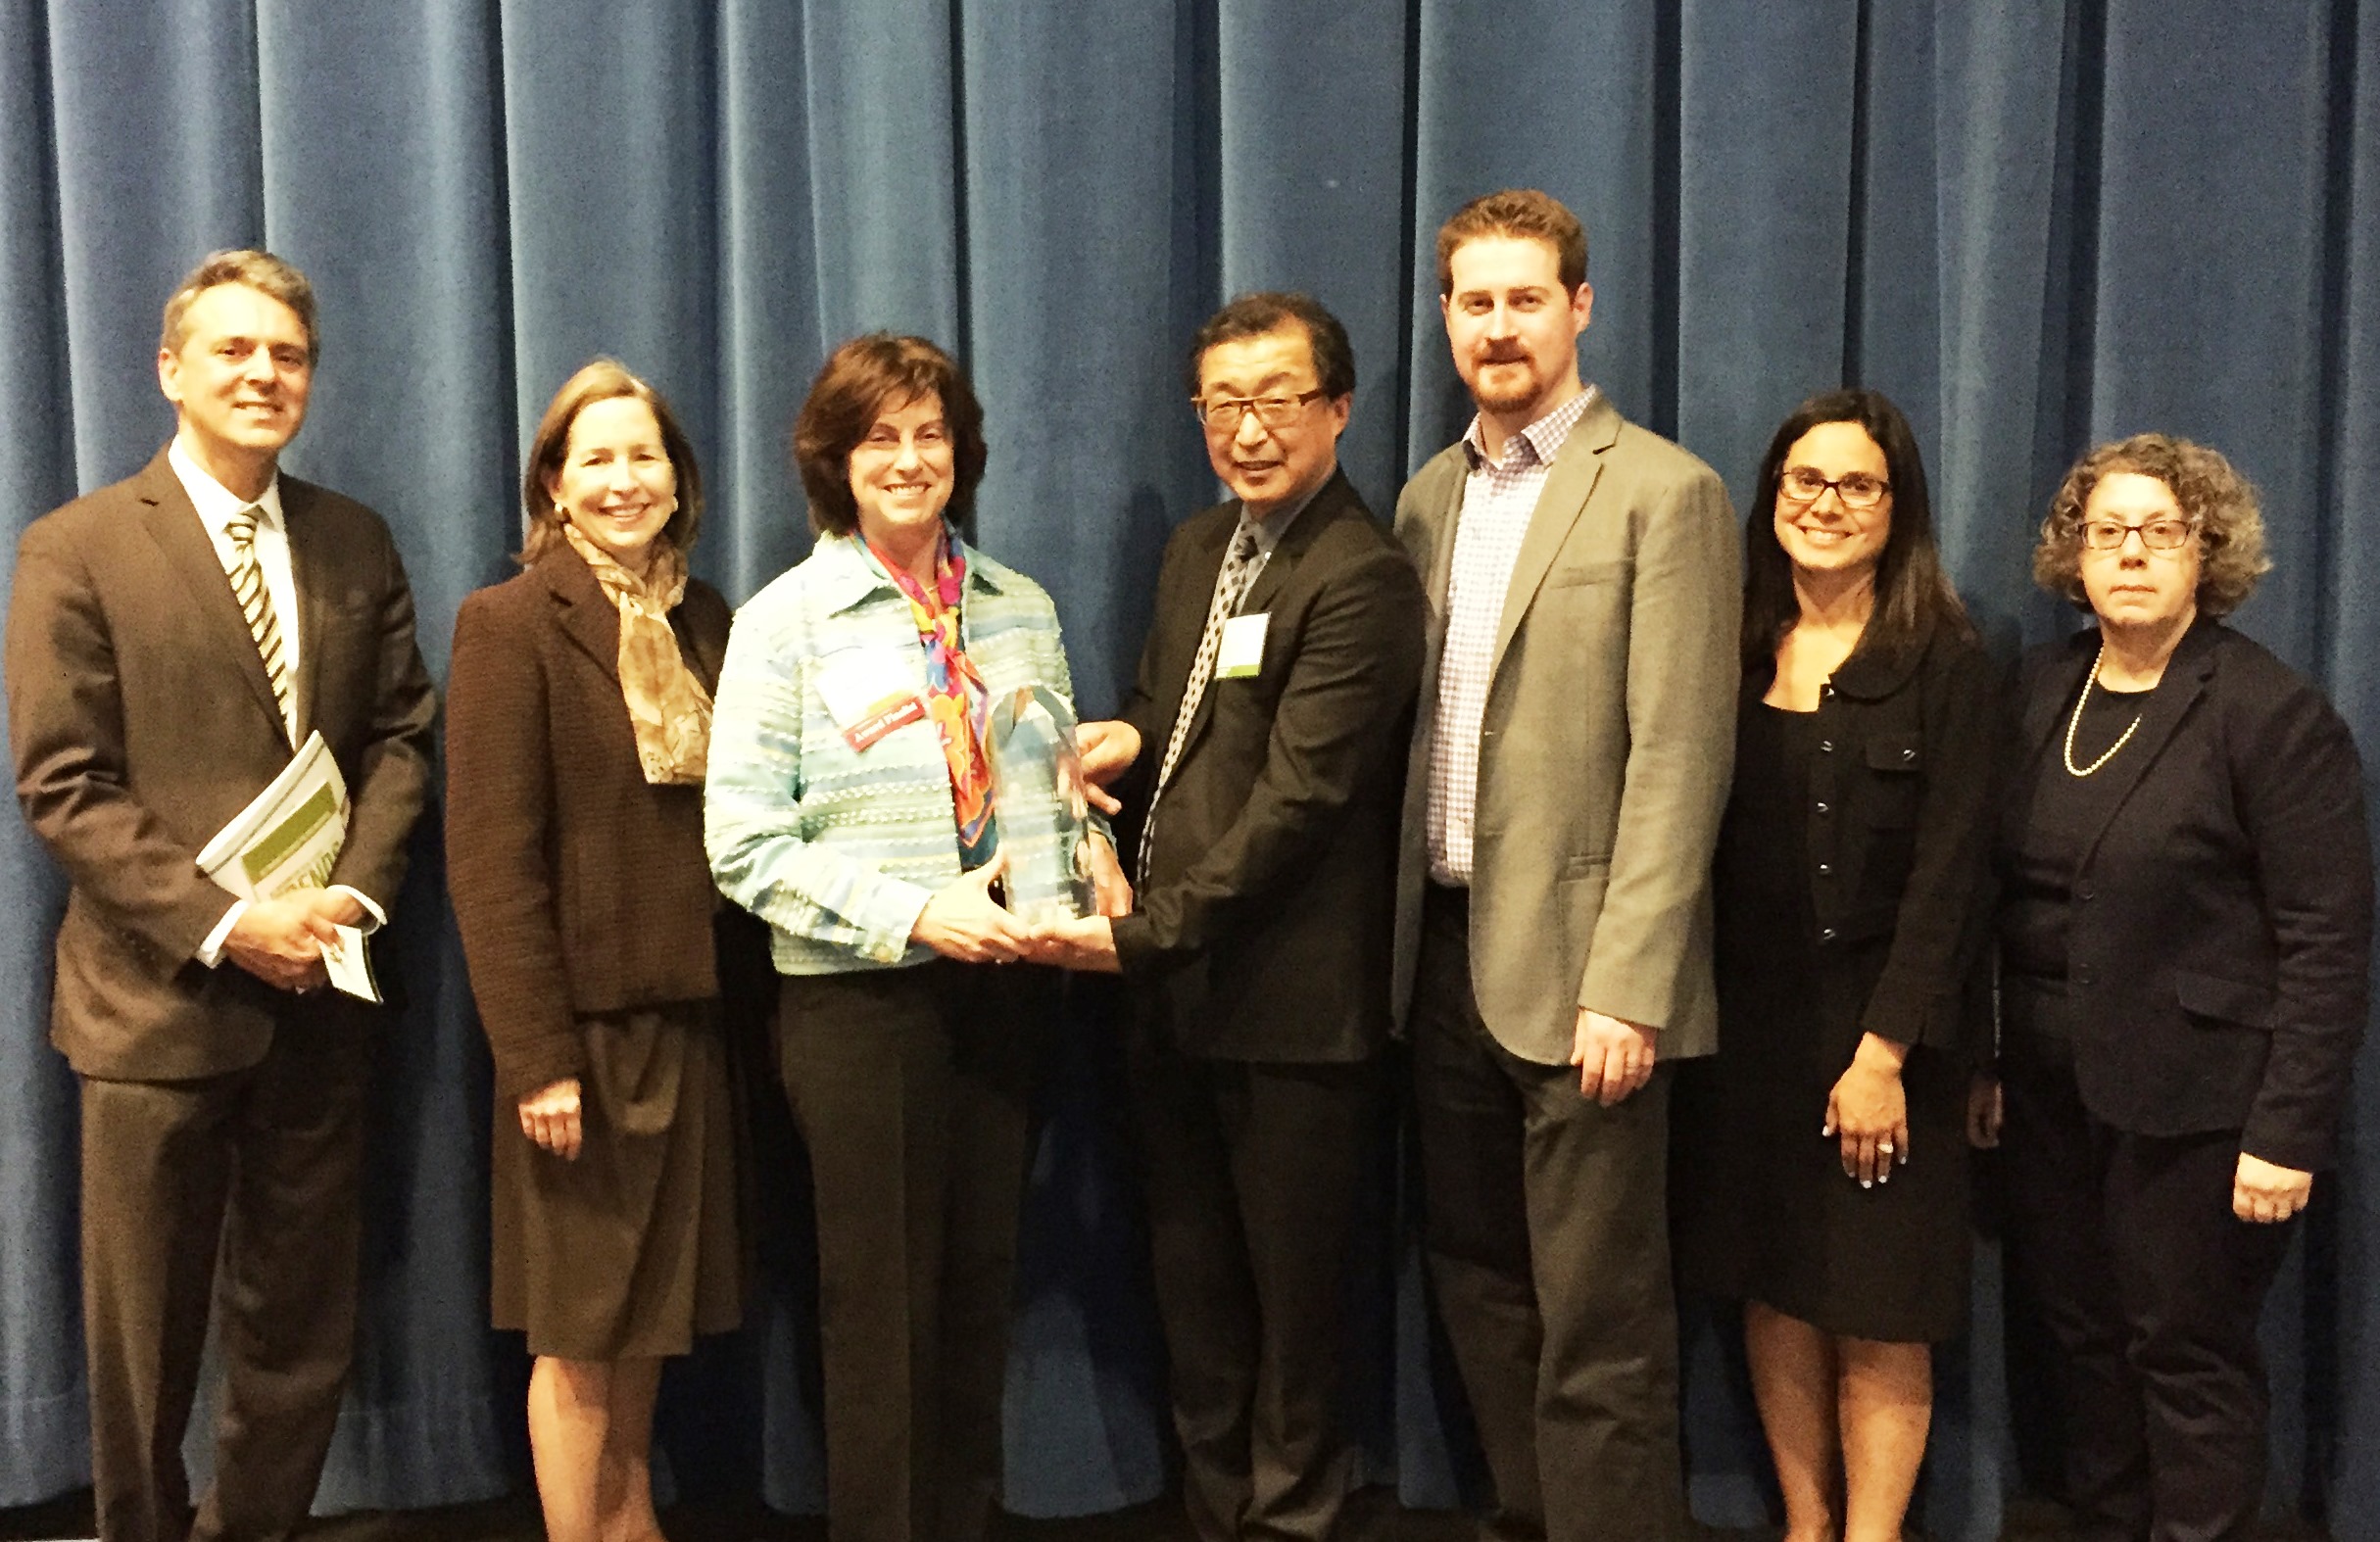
column 141, row 720
column 580, row 888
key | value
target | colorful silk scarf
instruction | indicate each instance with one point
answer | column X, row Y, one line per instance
column 955, row 698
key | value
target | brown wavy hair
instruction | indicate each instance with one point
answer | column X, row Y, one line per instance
column 854, row 386
column 2212, row 495
column 1523, row 214
column 602, row 380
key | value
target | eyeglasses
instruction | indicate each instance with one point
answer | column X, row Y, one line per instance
column 1222, row 415
column 1802, row 484
column 2157, row 535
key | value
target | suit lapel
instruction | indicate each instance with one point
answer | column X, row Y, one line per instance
column 2045, row 712
column 309, row 571
column 704, row 656
column 1568, row 486
column 1291, row 547
column 174, row 524
column 588, row 620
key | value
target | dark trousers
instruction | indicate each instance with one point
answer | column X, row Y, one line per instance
column 256, row 1170
column 2150, row 1288
column 910, row 1088
column 1547, row 1237
column 1251, row 1173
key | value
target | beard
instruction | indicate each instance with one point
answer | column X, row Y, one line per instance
column 1517, row 383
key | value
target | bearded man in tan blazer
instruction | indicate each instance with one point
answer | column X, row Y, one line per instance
column 171, row 639
column 1569, row 763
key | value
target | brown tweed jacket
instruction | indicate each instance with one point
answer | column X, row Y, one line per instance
column 580, row 888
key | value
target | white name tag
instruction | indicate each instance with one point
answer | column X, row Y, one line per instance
column 868, row 695
column 1243, row 649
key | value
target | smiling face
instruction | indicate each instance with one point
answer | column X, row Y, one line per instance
column 616, row 485
column 1824, row 535
column 238, row 382
column 903, row 472
column 1269, row 467
column 2133, row 587
column 1513, row 327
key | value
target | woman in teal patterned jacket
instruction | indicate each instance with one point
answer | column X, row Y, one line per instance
column 850, row 806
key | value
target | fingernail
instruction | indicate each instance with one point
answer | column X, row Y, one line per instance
column 1866, row 1183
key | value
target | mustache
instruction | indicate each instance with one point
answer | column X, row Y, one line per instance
column 1500, row 354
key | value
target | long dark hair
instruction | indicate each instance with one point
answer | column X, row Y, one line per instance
column 1912, row 594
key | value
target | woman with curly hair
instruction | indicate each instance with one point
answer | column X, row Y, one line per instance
column 2185, row 931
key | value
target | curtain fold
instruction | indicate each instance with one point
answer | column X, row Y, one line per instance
column 2034, row 225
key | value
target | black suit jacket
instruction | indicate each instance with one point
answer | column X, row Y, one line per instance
column 1264, row 929
column 142, row 720
column 2221, row 924
column 1898, row 837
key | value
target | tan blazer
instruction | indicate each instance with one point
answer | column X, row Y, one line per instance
column 141, row 720
column 1607, row 746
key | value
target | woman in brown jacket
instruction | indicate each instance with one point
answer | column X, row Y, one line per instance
column 578, row 726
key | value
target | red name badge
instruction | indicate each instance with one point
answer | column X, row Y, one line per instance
column 882, row 719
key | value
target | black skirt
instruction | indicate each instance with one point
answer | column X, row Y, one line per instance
column 1759, row 1203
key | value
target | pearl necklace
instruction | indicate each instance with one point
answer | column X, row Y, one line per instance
column 2075, row 722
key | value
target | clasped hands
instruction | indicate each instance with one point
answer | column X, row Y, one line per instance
column 962, row 920
column 280, row 940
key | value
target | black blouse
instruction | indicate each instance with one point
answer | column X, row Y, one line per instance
column 2061, row 813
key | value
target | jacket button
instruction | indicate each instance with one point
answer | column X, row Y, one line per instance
column 1909, row 755
column 1826, row 933
column 1825, row 869
column 1826, row 808
column 2084, row 891
column 2082, row 975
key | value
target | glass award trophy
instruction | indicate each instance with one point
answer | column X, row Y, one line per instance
column 1044, row 813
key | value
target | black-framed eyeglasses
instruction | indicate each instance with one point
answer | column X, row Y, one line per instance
column 1222, row 415
column 2168, row 533
column 1804, row 484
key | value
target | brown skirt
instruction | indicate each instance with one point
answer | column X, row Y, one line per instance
column 631, row 1250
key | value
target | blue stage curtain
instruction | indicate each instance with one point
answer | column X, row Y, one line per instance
column 2036, row 224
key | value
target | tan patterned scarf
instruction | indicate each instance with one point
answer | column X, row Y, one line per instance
column 667, row 705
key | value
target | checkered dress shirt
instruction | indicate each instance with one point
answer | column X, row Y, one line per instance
column 1498, row 499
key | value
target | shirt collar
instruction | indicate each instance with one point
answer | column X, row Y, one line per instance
column 1273, row 526
column 1543, row 437
column 217, row 503
column 851, row 577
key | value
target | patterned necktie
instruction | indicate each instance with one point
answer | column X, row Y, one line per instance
column 1231, row 587
column 256, row 604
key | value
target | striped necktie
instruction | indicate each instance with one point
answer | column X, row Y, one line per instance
column 256, row 604
column 1231, row 587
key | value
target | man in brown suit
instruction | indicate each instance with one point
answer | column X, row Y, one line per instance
column 169, row 639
